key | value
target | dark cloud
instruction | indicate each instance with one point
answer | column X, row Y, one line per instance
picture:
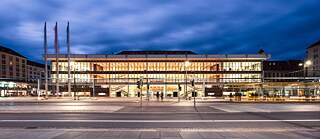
column 284, row 29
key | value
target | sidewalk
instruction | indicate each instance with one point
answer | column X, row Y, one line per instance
column 155, row 107
column 103, row 99
column 152, row 133
column 136, row 100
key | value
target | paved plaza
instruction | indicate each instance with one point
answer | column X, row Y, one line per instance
column 152, row 134
column 133, row 105
column 63, row 118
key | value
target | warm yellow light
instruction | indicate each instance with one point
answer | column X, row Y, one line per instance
column 308, row 63
column 187, row 63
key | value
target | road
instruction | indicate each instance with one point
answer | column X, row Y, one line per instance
column 276, row 120
column 281, row 120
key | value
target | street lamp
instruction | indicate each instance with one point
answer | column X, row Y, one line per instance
column 186, row 64
column 305, row 65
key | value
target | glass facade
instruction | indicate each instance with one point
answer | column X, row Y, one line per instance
column 123, row 71
column 117, row 75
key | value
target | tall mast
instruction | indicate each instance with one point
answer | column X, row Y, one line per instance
column 68, row 43
column 46, row 58
column 57, row 57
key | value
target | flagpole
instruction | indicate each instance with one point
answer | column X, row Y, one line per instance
column 46, row 59
column 68, row 42
column 57, row 58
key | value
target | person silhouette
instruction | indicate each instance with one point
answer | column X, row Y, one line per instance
column 161, row 96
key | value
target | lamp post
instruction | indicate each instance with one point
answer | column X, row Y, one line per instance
column 74, row 84
column 186, row 64
column 305, row 64
column 141, row 84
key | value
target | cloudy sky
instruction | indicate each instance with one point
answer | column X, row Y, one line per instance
column 283, row 28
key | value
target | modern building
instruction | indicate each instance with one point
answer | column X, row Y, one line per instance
column 313, row 55
column 161, row 71
column 18, row 74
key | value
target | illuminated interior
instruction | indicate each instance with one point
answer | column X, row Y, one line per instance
column 118, row 74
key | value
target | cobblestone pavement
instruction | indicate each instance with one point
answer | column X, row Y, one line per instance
column 155, row 134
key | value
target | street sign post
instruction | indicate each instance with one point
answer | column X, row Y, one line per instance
column 140, row 84
column 179, row 87
column 193, row 93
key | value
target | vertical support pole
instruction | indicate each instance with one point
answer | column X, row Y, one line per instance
column 164, row 90
column 179, row 96
column 194, row 97
column 69, row 76
column 16, row 91
column 57, row 58
column 38, row 89
column 141, row 82
column 128, row 87
column 186, row 87
column 6, row 94
column 141, row 97
column 109, row 87
column 179, row 89
column 74, row 84
column 148, row 95
column 203, row 87
column 27, row 94
column 94, row 88
column 46, row 60
column 146, row 70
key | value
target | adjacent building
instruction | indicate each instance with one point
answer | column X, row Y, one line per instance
column 18, row 74
column 35, row 71
column 13, row 65
column 283, row 71
column 313, row 55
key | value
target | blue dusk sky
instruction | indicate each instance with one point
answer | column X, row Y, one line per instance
column 283, row 28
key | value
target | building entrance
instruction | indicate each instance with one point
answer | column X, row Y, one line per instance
column 118, row 94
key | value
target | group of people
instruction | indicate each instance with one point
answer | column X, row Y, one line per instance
column 159, row 95
column 237, row 96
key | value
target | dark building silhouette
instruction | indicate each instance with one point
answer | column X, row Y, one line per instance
column 288, row 68
column 313, row 55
